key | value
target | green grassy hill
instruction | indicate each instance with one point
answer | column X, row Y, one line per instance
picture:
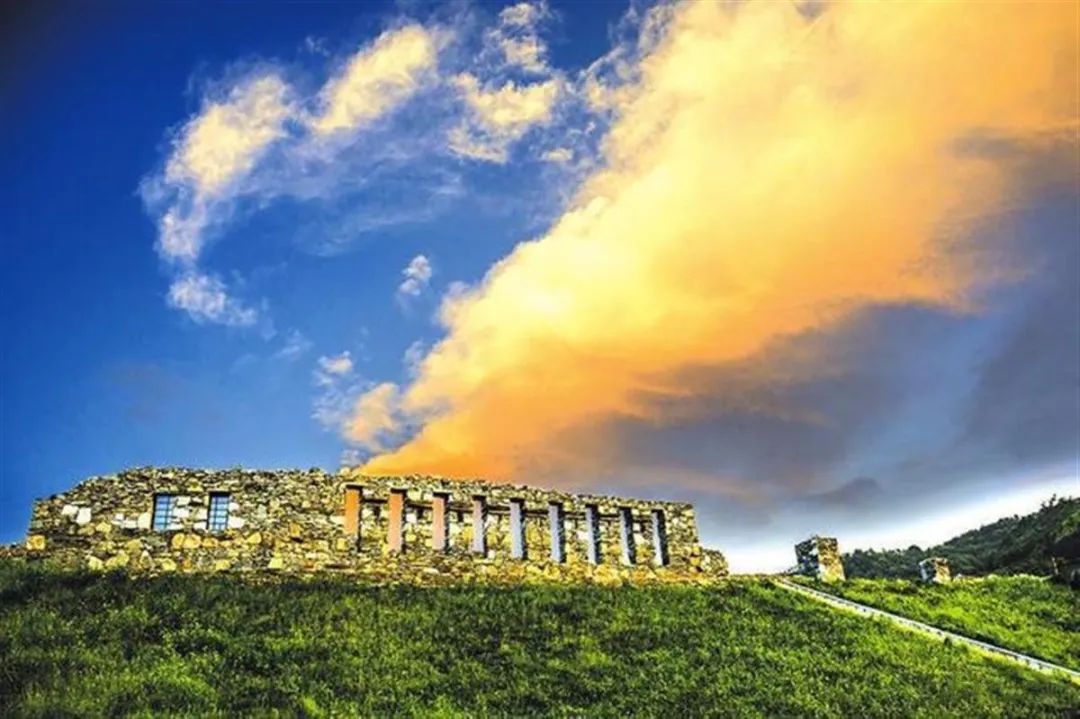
column 77, row 644
column 1013, row 545
column 1025, row 614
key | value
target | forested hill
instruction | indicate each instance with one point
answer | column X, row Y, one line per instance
column 1012, row 545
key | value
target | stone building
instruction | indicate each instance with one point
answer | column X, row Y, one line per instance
column 820, row 557
column 935, row 569
column 420, row 529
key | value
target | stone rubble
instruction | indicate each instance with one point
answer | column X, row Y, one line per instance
column 819, row 557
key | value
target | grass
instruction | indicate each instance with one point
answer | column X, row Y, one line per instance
column 77, row 644
column 1025, row 614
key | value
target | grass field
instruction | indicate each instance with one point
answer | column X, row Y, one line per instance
column 1025, row 614
column 74, row 644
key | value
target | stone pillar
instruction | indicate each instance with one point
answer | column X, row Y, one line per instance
column 819, row 557
column 935, row 570
column 396, row 536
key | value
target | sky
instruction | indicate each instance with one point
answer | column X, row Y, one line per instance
column 811, row 266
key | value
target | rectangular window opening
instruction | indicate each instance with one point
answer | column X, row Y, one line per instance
column 479, row 519
column 517, row 528
column 558, row 532
column 659, row 536
column 218, row 519
column 396, row 538
column 353, row 499
column 440, row 527
column 163, row 511
column 592, row 529
column 626, row 532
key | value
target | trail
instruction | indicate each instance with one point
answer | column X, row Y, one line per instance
column 929, row 630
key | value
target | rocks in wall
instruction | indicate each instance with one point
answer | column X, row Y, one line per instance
column 191, row 520
column 819, row 557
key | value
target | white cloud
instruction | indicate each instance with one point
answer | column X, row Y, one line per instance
column 259, row 138
column 413, row 356
column 522, row 14
column 516, row 37
column 204, row 298
column 501, row 116
column 226, row 138
column 296, row 345
column 336, row 365
column 559, row 154
column 315, row 45
column 338, row 387
column 377, row 79
column 377, row 417
column 417, row 276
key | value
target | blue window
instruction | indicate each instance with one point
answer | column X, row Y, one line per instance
column 163, row 511
column 218, row 520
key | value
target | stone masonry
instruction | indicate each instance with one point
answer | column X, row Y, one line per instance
column 820, row 557
column 415, row 529
column 935, row 569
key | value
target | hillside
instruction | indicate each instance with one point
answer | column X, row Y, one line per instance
column 78, row 644
column 1025, row 614
column 1013, row 545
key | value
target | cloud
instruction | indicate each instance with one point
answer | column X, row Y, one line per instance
column 412, row 357
column 296, row 345
column 559, row 154
column 501, row 116
column 335, row 365
column 516, row 37
column 346, row 155
column 211, row 152
column 417, row 276
column 524, row 15
column 377, row 79
column 227, row 137
column 338, row 387
column 376, row 417
column 258, row 136
column 746, row 197
column 205, row 299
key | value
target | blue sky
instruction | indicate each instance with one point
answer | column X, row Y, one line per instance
column 342, row 182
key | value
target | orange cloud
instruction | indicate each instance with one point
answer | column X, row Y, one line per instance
column 766, row 175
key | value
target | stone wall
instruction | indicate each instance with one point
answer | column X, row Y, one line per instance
column 820, row 557
column 309, row 521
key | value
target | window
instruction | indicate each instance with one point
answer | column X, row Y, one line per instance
column 592, row 529
column 659, row 537
column 352, row 512
column 626, row 532
column 397, row 520
column 479, row 517
column 218, row 520
column 558, row 532
column 440, row 528
column 163, row 510
column 517, row 528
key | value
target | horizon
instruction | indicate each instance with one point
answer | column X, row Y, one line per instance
column 827, row 288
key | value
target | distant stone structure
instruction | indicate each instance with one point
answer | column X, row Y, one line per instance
column 420, row 529
column 819, row 557
column 935, row 570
